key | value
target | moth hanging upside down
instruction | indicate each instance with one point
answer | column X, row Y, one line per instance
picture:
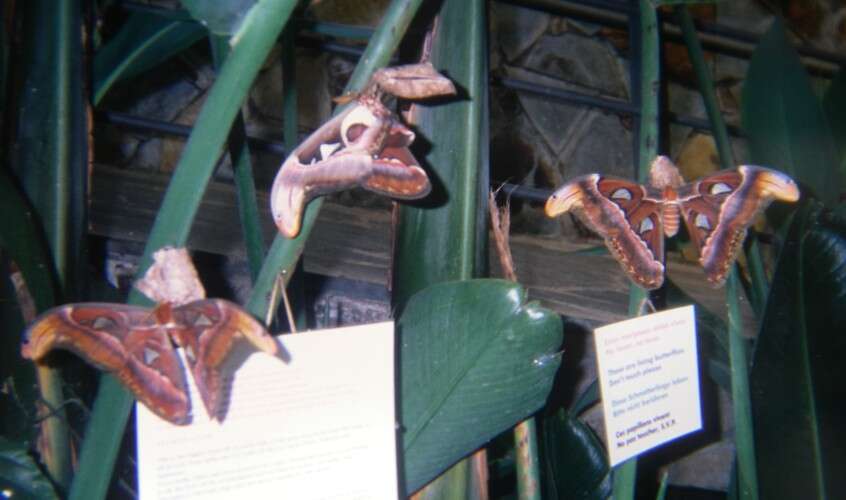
column 134, row 343
column 634, row 219
column 364, row 146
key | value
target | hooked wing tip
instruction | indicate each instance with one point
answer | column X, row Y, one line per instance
column 564, row 199
column 777, row 185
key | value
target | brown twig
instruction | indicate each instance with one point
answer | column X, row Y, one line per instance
column 525, row 436
column 501, row 224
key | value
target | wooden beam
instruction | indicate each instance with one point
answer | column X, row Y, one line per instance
column 354, row 243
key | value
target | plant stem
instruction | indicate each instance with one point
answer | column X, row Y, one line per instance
column 260, row 29
column 744, row 439
column 759, row 287
column 743, row 434
column 625, row 474
column 239, row 155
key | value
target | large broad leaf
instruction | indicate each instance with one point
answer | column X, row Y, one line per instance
column 144, row 41
column 475, row 359
column 51, row 164
column 50, row 154
column 575, row 460
column 21, row 243
column 784, row 121
column 20, row 477
column 797, row 380
column 834, row 105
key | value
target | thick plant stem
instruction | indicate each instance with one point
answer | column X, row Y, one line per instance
column 721, row 139
column 706, row 86
column 744, row 439
column 625, row 474
column 239, row 155
column 743, row 435
column 50, row 161
column 526, row 446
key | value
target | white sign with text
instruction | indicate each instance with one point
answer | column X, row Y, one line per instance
column 318, row 425
column 649, row 377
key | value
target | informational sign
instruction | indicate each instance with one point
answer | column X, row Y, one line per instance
column 649, row 377
column 318, row 423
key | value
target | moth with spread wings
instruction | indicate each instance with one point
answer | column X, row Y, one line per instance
column 134, row 343
column 634, row 219
column 365, row 146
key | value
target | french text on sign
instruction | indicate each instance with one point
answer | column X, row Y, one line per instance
column 649, row 378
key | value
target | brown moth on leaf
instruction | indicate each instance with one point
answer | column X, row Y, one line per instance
column 364, row 146
column 634, row 219
column 136, row 343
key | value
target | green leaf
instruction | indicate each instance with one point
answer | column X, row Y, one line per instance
column 445, row 239
column 51, row 165
column 239, row 154
column 797, row 380
column 50, row 155
column 834, row 105
column 20, row 477
column 784, row 121
column 22, row 243
column 588, row 398
column 222, row 17
column 576, row 462
column 144, row 41
column 475, row 359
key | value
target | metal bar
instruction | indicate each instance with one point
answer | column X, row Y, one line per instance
column 616, row 105
column 715, row 37
column 163, row 127
column 567, row 96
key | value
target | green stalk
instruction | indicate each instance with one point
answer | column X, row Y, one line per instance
column 290, row 127
column 50, row 162
column 258, row 32
column 743, row 435
column 284, row 253
column 706, row 86
column 144, row 40
column 650, row 84
column 528, row 472
column 662, row 488
column 290, row 134
column 744, row 439
column 242, row 167
column 625, row 474
column 758, row 292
